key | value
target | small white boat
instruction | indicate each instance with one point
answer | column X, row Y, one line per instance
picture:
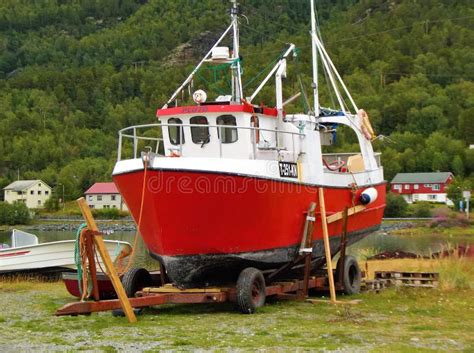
column 27, row 255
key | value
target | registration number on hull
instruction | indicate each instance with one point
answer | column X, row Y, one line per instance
column 288, row 170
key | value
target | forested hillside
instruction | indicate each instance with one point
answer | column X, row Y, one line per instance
column 73, row 72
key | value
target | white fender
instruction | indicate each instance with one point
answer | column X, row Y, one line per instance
column 368, row 196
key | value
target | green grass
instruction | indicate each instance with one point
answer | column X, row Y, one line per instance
column 393, row 320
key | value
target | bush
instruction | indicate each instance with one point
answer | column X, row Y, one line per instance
column 52, row 204
column 16, row 213
column 396, row 206
column 445, row 218
column 421, row 210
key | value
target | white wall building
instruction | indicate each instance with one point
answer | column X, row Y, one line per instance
column 105, row 195
column 33, row 193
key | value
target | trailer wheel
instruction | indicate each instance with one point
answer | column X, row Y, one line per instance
column 351, row 277
column 250, row 290
column 135, row 279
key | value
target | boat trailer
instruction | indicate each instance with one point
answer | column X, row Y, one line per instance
column 252, row 286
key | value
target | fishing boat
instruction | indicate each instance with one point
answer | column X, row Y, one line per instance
column 222, row 184
column 26, row 254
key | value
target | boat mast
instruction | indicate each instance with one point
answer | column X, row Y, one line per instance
column 236, row 73
column 315, row 60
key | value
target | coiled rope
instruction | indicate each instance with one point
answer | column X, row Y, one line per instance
column 80, row 247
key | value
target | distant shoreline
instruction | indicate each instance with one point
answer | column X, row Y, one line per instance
column 127, row 225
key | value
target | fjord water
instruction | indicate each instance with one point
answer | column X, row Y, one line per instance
column 422, row 245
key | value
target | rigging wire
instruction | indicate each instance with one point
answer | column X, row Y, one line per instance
column 423, row 22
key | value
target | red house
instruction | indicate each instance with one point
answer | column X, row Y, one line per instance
column 429, row 187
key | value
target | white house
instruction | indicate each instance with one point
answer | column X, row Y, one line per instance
column 33, row 193
column 105, row 195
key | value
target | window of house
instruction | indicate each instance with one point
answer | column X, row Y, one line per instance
column 407, row 186
column 113, row 197
column 106, row 206
column 256, row 124
column 91, row 197
column 99, row 197
column 39, row 202
column 427, row 185
column 397, row 187
column 200, row 134
column 415, row 197
column 46, row 192
column 227, row 134
column 176, row 132
column 19, row 192
column 114, row 206
column 416, row 186
column 432, row 197
column 32, row 192
column 39, row 192
column 436, row 187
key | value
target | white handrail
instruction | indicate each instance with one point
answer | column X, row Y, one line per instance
column 132, row 133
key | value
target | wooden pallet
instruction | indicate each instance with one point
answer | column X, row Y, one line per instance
column 375, row 285
column 409, row 279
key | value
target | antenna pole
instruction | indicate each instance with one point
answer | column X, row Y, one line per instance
column 237, row 74
column 315, row 60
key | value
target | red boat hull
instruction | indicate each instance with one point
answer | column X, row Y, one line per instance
column 197, row 223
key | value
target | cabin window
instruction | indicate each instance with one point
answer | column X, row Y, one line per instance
column 407, row 187
column 112, row 197
column 436, row 187
column 200, row 134
column 176, row 132
column 32, row 192
column 229, row 134
column 415, row 187
column 255, row 123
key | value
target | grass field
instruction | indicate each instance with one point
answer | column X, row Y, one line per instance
column 394, row 320
column 402, row 320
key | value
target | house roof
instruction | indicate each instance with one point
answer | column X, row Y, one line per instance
column 21, row 185
column 102, row 188
column 421, row 178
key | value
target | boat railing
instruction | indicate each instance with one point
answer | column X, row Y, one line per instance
column 133, row 140
column 344, row 157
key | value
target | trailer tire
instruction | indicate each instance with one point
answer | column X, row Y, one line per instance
column 135, row 279
column 352, row 275
column 250, row 290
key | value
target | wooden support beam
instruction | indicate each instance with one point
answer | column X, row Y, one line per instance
column 104, row 254
column 346, row 302
column 327, row 247
column 340, row 215
column 308, row 236
column 342, row 248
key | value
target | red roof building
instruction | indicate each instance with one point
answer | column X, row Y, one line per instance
column 105, row 195
column 431, row 187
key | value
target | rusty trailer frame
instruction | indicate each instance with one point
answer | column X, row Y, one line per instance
column 155, row 296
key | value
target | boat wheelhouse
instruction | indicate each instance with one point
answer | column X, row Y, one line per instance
column 222, row 185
